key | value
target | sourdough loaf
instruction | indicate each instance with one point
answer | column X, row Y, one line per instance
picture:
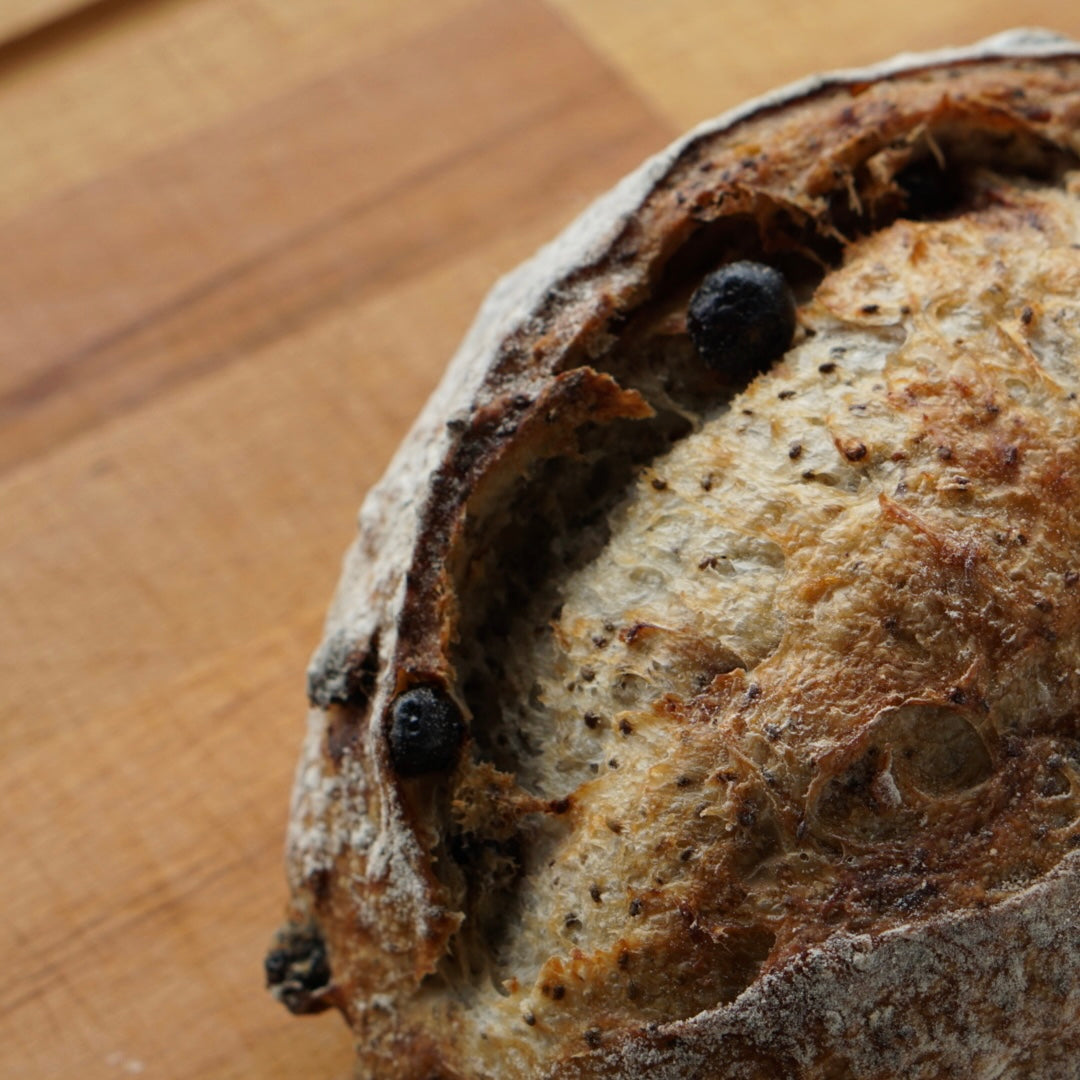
column 709, row 707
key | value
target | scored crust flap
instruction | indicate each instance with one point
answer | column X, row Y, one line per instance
column 701, row 691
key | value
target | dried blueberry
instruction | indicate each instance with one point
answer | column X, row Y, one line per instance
column 297, row 968
column 277, row 966
column 742, row 317
column 426, row 730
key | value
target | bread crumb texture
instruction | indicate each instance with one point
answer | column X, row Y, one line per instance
column 800, row 675
column 834, row 690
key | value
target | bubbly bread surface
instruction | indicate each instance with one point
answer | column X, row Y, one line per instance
column 725, row 721
column 795, row 689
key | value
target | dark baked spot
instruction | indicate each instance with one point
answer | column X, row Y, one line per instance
column 592, row 1037
column 917, row 898
column 742, row 317
column 296, row 967
column 426, row 731
column 276, row 965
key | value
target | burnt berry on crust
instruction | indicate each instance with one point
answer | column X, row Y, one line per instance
column 742, row 317
column 296, row 968
column 426, row 730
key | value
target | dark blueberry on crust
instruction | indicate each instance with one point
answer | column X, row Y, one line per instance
column 742, row 317
column 277, row 966
column 297, row 967
column 426, row 730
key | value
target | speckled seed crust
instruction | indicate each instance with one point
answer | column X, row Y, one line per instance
column 770, row 682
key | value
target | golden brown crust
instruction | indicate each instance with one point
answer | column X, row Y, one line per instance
column 876, row 746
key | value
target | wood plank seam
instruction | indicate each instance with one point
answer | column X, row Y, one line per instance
column 615, row 72
column 66, row 29
column 92, row 360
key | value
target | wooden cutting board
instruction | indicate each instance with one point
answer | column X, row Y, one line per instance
column 238, row 241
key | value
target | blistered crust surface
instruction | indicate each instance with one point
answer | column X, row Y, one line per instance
column 844, row 1009
column 722, row 656
column 797, row 688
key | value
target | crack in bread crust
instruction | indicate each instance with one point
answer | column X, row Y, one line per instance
column 767, row 683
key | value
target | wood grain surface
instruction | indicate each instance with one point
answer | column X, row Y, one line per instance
column 238, row 241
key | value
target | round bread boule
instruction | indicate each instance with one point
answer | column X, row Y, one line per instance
column 680, row 717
